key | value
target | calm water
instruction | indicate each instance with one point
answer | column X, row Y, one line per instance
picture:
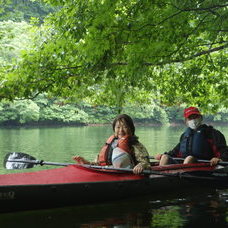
column 174, row 209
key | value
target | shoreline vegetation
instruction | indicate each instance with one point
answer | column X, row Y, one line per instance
column 59, row 125
column 44, row 111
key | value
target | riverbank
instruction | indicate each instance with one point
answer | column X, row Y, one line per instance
column 137, row 123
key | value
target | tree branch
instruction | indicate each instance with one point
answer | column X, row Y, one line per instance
column 203, row 9
column 179, row 60
column 159, row 23
column 161, row 63
column 189, row 34
column 207, row 51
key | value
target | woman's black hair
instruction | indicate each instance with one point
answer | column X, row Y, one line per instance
column 127, row 119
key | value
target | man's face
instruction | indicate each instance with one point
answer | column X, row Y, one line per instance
column 193, row 121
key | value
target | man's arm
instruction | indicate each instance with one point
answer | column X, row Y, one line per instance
column 220, row 143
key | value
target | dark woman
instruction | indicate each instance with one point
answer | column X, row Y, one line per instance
column 122, row 149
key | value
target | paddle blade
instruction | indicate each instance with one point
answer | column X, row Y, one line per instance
column 18, row 160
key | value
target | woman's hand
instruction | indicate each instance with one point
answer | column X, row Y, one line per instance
column 138, row 169
column 215, row 161
column 80, row 160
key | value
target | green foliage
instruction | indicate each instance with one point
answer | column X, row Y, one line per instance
column 54, row 110
column 19, row 112
column 160, row 115
column 167, row 217
column 42, row 110
column 119, row 52
column 17, row 10
column 147, row 113
column 48, row 110
column 63, row 114
column 220, row 117
column 14, row 37
column 99, row 114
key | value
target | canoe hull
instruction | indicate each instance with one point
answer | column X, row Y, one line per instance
column 56, row 195
column 49, row 189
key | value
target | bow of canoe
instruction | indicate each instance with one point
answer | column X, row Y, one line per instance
column 65, row 175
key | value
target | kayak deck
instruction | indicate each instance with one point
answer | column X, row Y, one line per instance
column 79, row 174
column 69, row 174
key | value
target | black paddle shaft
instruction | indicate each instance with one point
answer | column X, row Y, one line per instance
column 199, row 160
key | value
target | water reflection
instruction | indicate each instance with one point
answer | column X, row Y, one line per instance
column 189, row 209
column 207, row 212
column 203, row 209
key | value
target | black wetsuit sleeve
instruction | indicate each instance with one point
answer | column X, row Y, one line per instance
column 220, row 143
column 176, row 150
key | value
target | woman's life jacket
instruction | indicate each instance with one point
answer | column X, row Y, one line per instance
column 196, row 143
column 105, row 155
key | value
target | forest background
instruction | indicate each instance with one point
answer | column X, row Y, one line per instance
column 42, row 83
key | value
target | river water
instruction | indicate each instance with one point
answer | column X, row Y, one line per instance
column 185, row 208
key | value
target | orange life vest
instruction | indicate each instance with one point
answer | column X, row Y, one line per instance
column 104, row 155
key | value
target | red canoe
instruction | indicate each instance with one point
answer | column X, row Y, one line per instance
column 74, row 184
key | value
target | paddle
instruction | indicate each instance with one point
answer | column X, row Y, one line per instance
column 18, row 160
column 199, row 160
